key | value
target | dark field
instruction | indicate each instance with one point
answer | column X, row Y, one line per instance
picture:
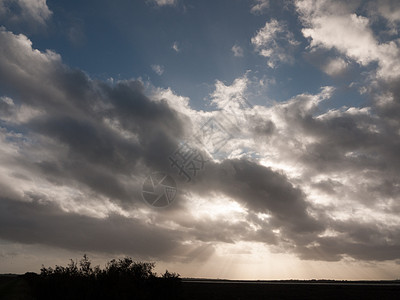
column 16, row 287
column 276, row 290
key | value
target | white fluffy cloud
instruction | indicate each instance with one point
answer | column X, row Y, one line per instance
column 275, row 42
column 223, row 94
column 335, row 66
column 334, row 25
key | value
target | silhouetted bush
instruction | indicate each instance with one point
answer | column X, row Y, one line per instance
column 120, row 279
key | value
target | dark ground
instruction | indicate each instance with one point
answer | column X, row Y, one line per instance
column 298, row 291
column 16, row 287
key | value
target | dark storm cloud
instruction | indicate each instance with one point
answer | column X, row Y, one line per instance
column 32, row 223
column 262, row 128
column 79, row 129
column 75, row 111
column 357, row 240
column 261, row 190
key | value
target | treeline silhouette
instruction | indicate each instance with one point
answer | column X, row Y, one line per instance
column 120, row 279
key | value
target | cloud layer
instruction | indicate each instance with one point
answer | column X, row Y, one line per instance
column 319, row 184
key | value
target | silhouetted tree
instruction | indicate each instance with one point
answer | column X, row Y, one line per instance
column 120, row 279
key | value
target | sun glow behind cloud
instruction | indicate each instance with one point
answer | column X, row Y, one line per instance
column 216, row 207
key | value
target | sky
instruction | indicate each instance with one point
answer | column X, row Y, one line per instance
column 240, row 139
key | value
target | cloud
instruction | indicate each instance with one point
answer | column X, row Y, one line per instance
column 159, row 70
column 335, row 26
column 275, row 42
column 385, row 13
column 165, row 2
column 261, row 190
column 335, row 67
column 237, row 51
column 114, row 234
column 342, row 161
column 355, row 148
column 259, row 6
column 64, row 115
column 76, row 33
column 223, row 94
column 32, row 12
column 337, row 170
column 79, row 162
column 388, row 9
column 175, row 47
column 74, row 152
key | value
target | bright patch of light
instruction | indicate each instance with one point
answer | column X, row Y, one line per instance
column 216, row 207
